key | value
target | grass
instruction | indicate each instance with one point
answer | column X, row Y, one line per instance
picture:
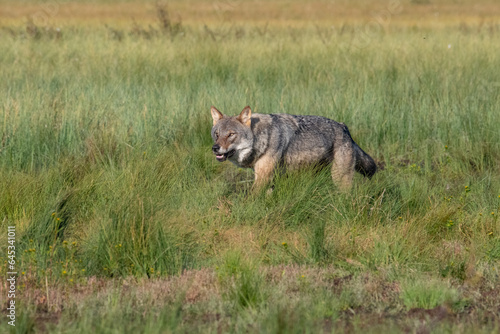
column 125, row 222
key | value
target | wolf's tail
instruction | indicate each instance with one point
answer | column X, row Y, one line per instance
column 364, row 163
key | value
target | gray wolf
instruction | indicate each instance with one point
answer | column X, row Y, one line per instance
column 270, row 142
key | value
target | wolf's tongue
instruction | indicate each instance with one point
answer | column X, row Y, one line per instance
column 219, row 155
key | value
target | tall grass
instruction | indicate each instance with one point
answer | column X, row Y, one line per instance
column 106, row 170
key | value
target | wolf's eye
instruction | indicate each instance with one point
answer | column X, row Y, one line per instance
column 230, row 134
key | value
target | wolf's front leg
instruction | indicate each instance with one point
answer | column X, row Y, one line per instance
column 264, row 169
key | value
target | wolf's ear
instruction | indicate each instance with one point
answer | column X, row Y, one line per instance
column 216, row 114
column 245, row 116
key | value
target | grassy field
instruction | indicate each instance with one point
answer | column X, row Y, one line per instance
column 126, row 223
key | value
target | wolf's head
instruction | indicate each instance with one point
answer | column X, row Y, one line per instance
column 232, row 135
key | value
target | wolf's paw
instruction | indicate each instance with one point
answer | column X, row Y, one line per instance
column 270, row 191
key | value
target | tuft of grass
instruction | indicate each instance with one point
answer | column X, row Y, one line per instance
column 427, row 294
column 241, row 280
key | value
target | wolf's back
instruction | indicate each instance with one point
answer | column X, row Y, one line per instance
column 319, row 129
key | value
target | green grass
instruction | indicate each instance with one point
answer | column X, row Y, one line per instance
column 107, row 173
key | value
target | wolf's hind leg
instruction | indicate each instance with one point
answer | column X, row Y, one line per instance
column 343, row 166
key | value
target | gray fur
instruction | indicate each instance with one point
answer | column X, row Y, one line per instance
column 267, row 141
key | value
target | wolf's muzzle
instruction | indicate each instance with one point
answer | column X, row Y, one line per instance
column 221, row 156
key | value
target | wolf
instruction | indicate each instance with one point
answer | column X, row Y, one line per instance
column 270, row 142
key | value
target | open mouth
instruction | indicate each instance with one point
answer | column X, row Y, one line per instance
column 223, row 157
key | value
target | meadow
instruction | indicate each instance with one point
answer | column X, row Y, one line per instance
column 126, row 223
